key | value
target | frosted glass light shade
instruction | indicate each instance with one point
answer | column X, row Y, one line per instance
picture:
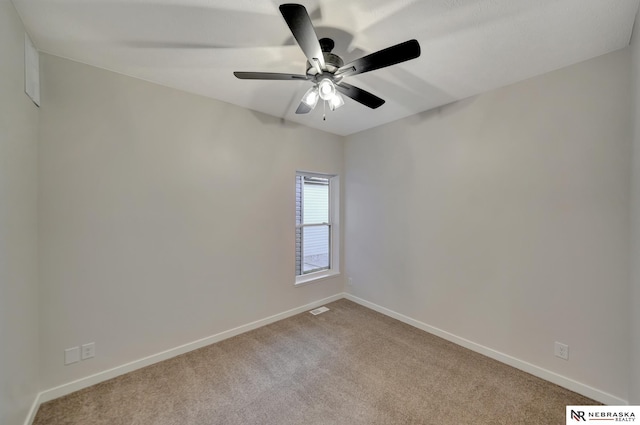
column 310, row 98
column 336, row 101
column 327, row 89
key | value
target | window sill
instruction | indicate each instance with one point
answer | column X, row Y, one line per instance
column 314, row 277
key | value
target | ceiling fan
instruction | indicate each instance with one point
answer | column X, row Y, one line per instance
column 326, row 70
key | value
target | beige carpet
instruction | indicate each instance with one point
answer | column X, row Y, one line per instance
column 349, row 365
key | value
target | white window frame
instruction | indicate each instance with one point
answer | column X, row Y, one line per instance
column 334, row 231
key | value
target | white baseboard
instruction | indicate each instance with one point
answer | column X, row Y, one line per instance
column 88, row 381
column 545, row 374
column 32, row 412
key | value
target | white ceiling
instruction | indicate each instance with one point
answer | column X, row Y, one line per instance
column 468, row 46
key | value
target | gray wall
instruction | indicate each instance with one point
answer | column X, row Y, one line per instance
column 634, row 298
column 18, row 227
column 165, row 217
column 504, row 219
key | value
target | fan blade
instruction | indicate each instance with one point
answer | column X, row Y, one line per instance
column 382, row 58
column 359, row 95
column 303, row 108
column 268, row 76
column 299, row 23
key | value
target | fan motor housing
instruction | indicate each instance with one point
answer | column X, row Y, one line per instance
column 332, row 62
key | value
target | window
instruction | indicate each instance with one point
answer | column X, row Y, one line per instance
column 316, row 226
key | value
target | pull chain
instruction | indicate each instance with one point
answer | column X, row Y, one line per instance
column 324, row 110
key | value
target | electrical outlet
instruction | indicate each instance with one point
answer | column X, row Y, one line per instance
column 88, row 350
column 561, row 350
column 71, row 355
column 350, row 281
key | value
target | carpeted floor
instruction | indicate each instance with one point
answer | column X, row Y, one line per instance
column 349, row 365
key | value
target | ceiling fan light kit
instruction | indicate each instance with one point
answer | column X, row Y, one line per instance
column 327, row 70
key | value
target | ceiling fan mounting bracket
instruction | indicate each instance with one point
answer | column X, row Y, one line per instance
column 326, row 44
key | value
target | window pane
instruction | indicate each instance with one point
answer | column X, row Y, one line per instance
column 315, row 200
column 315, row 248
